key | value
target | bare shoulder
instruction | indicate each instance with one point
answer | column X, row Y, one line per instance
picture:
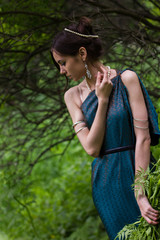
column 130, row 78
column 73, row 103
column 71, row 96
column 132, row 83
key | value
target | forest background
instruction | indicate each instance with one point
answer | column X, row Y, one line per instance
column 45, row 175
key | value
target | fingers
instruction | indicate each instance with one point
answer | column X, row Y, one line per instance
column 101, row 77
column 106, row 79
column 103, row 69
column 105, row 74
column 151, row 215
column 154, row 211
column 153, row 222
column 98, row 81
column 103, row 84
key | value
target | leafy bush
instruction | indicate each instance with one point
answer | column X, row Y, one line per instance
column 54, row 202
column 151, row 185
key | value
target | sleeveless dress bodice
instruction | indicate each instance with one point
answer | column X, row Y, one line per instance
column 113, row 170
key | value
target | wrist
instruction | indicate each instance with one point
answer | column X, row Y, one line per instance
column 139, row 193
column 103, row 101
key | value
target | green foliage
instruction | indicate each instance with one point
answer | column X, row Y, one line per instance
column 3, row 236
column 150, row 182
column 54, row 202
column 156, row 149
column 43, row 195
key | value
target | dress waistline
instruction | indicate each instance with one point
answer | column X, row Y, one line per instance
column 118, row 149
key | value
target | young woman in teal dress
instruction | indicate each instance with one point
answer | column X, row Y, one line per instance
column 115, row 122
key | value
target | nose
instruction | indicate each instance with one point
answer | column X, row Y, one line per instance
column 62, row 70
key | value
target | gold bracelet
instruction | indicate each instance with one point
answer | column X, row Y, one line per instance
column 141, row 127
column 78, row 122
column 141, row 120
column 80, row 129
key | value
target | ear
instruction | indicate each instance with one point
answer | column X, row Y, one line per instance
column 83, row 53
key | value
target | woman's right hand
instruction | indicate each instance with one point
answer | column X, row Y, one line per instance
column 103, row 86
column 150, row 214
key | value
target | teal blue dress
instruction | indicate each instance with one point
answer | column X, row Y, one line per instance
column 113, row 170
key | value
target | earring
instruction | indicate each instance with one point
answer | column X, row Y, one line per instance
column 88, row 73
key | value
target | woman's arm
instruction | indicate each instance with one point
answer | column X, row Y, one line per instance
column 141, row 128
column 92, row 139
column 140, row 120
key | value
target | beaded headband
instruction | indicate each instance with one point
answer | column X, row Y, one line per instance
column 80, row 34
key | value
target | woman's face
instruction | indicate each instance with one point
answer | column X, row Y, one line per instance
column 72, row 67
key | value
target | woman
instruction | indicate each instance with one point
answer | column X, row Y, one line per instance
column 115, row 122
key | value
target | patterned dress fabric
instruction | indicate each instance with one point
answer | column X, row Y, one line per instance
column 113, row 170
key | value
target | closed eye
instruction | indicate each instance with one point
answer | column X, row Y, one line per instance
column 62, row 63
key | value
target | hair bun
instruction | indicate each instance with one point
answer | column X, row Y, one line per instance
column 84, row 25
column 69, row 43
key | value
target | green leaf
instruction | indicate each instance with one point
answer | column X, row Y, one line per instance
column 148, row 232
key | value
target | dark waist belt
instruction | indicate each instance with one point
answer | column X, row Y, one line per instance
column 118, row 149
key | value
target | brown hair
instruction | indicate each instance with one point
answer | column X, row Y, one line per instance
column 68, row 44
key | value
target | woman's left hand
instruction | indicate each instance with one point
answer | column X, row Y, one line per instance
column 150, row 214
